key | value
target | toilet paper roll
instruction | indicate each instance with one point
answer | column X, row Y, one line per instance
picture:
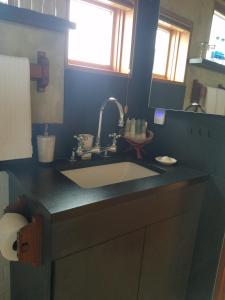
column 46, row 148
column 10, row 224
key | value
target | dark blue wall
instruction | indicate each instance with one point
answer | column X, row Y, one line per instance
column 165, row 94
column 85, row 91
column 198, row 141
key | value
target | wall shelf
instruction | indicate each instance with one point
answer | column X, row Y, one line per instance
column 33, row 18
column 207, row 64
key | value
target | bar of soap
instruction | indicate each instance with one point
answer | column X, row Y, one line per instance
column 166, row 160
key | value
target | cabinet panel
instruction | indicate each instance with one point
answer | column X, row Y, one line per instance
column 4, row 265
column 106, row 272
column 219, row 292
column 167, row 258
column 138, row 211
column 30, row 283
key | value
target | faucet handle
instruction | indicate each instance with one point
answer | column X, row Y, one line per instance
column 74, row 149
column 115, row 137
column 79, row 137
column 113, row 147
column 80, row 140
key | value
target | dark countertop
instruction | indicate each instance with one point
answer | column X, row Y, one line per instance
column 61, row 197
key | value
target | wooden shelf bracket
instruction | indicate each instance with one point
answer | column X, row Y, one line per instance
column 40, row 72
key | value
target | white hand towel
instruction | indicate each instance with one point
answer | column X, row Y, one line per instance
column 210, row 102
column 220, row 109
column 214, row 102
column 15, row 108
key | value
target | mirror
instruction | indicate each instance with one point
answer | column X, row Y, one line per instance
column 189, row 63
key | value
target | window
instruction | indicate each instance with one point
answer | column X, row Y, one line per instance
column 161, row 51
column 103, row 35
column 216, row 48
column 171, row 47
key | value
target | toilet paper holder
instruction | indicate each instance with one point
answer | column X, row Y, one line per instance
column 29, row 243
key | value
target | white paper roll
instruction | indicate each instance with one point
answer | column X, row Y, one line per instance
column 46, row 148
column 10, row 224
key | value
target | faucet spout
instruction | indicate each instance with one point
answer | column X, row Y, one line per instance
column 120, row 110
column 120, row 123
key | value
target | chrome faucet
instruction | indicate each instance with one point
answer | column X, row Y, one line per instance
column 97, row 147
column 79, row 150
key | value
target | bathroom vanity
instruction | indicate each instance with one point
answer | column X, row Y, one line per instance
column 129, row 240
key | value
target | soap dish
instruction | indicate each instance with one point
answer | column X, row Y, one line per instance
column 138, row 144
column 166, row 160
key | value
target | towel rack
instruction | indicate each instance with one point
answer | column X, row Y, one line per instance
column 40, row 72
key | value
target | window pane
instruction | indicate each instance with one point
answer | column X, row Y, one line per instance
column 161, row 51
column 217, row 38
column 91, row 42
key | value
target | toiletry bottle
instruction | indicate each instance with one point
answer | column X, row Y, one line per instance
column 132, row 128
column 143, row 129
column 46, row 146
column 138, row 129
column 127, row 128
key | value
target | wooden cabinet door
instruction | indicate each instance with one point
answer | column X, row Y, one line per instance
column 219, row 293
column 167, row 258
column 109, row 271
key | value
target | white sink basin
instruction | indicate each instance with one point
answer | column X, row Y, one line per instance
column 98, row 176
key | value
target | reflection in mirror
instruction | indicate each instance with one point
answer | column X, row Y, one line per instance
column 171, row 48
column 189, row 63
